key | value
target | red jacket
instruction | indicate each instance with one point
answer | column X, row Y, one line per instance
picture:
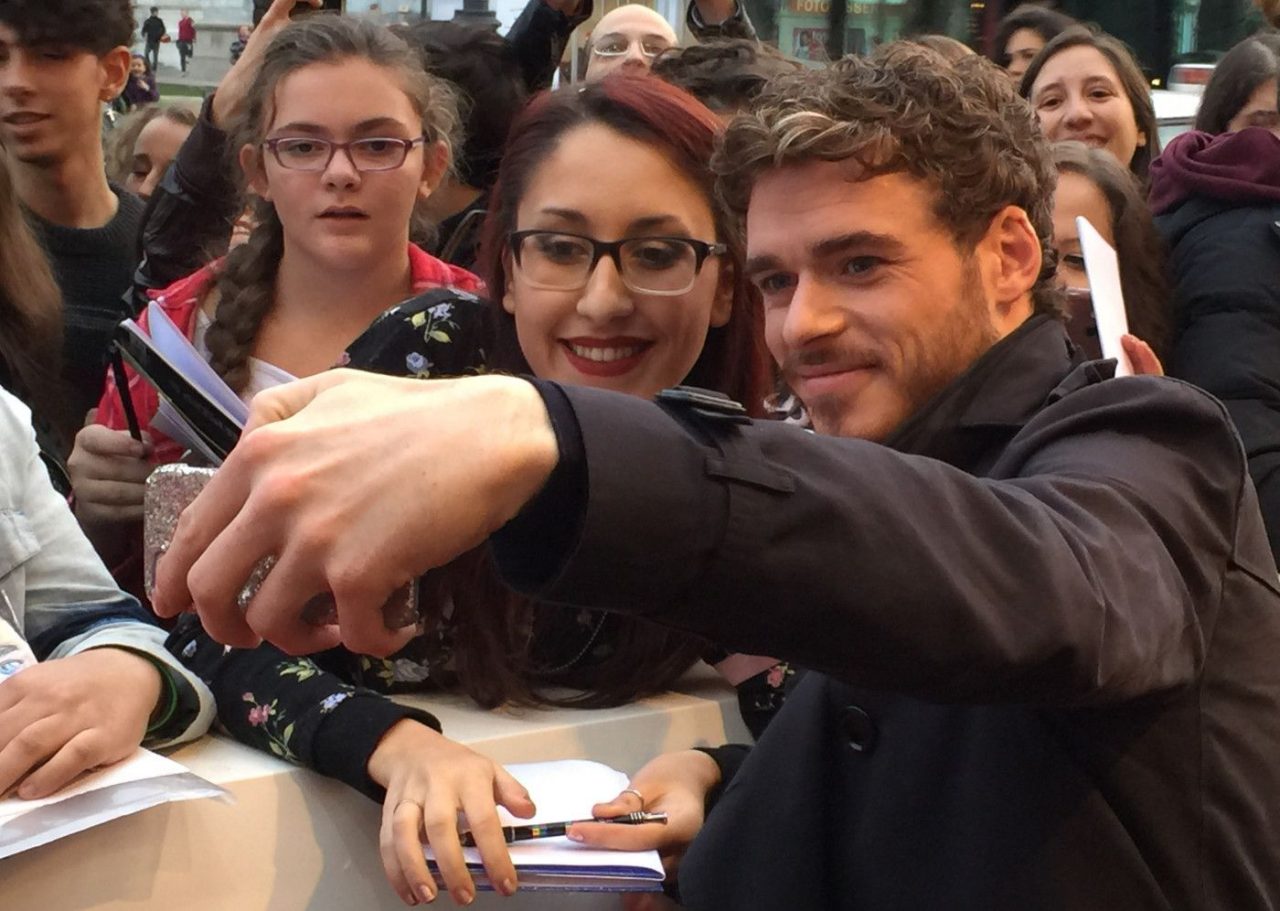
column 186, row 29
column 181, row 302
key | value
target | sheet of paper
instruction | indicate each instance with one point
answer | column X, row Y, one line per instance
column 566, row 790
column 178, row 351
column 142, row 781
column 1108, row 298
column 168, row 421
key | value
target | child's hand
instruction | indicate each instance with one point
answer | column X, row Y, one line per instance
column 69, row 715
column 430, row 780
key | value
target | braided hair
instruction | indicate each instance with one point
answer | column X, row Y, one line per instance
column 247, row 280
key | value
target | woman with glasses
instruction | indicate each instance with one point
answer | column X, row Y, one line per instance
column 610, row 265
column 339, row 139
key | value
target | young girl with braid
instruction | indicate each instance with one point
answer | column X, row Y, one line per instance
column 341, row 136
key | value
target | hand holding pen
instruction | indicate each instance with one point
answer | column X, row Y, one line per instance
column 555, row 829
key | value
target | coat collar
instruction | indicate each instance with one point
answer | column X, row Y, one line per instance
column 999, row 393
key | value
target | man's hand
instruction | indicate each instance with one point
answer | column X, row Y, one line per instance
column 357, row 484
column 674, row 783
column 234, row 87
column 69, row 715
column 429, row 780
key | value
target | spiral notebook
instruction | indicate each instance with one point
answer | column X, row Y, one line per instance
column 567, row 790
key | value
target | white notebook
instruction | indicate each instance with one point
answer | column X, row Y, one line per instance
column 562, row 791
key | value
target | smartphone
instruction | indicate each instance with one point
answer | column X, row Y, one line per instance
column 260, row 8
column 172, row 488
column 1082, row 325
column 330, row 6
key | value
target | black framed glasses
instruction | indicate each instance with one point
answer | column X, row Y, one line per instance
column 374, row 153
column 562, row 261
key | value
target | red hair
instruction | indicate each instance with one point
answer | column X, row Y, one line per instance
column 733, row 360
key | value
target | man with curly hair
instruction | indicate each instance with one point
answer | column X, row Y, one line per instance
column 60, row 61
column 1038, row 603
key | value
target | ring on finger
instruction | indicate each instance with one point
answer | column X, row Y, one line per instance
column 639, row 796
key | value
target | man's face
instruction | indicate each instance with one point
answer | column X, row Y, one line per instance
column 51, row 97
column 627, row 40
column 870, row 309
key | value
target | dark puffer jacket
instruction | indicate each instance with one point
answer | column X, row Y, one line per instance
column 1217, row 203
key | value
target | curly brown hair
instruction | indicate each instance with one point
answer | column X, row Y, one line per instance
column 959, row 127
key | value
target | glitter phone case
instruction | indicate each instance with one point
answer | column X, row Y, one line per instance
column 171, row 488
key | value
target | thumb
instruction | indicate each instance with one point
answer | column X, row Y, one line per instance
column 511, row 794
column 283, row 402
column 619, row 806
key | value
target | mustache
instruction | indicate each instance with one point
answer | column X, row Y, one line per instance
column 824, row 356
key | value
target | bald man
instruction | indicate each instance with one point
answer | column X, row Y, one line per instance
column 626, row 40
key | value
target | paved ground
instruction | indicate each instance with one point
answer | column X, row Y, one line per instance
column 202, row 74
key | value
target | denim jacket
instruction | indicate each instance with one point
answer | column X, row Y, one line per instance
column 56, row 592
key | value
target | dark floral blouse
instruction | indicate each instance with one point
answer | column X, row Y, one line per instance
column 329, row 711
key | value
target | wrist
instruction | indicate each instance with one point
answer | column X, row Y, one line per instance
column 134, row 673
column 406, row 736
column 704, row 772
column 531, row 453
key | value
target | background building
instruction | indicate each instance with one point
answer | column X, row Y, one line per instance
column 1161, row 32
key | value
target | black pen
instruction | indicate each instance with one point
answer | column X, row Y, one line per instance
column 555, row 829
column 122, row 388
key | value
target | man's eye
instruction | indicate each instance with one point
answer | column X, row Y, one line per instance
column 612, row 46
column 775, row 283
column 860, row 265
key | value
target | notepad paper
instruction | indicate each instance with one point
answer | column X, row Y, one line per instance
column 142, row 781
column 561, row 791
column 174, row 346
column 1103, row 269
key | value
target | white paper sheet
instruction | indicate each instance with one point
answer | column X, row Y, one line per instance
column 562, row 791
column 178, row 351
column 1108, row 297
column 142, row 781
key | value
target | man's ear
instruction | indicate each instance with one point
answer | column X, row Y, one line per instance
column 1010, row 260
column 113, row 73
column 722, row 306
column 255, row 174
column 435, row 162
